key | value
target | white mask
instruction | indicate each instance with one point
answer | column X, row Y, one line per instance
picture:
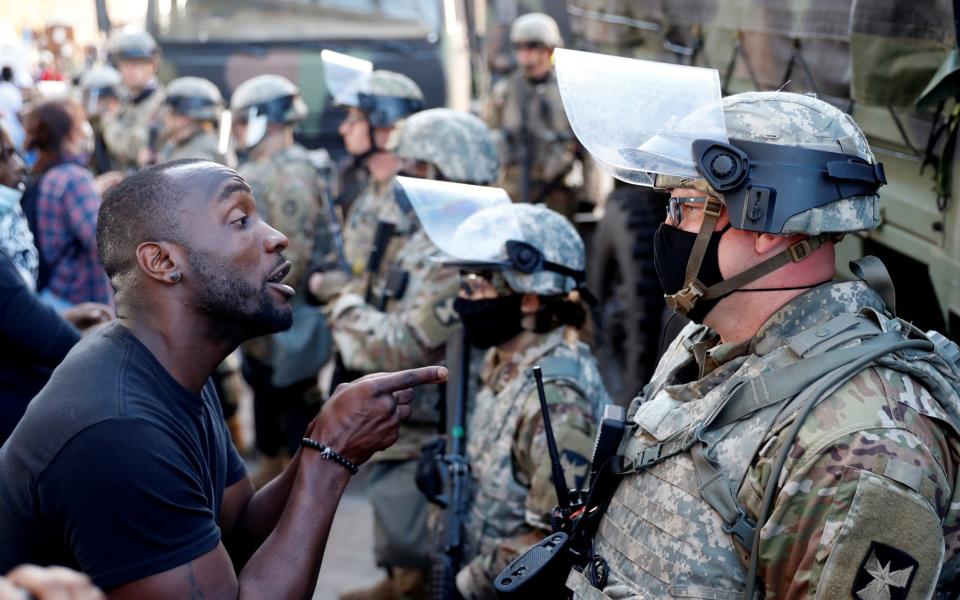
column 9, row 197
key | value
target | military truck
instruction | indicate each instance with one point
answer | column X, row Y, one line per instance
column 891, row 64
column 229, row 41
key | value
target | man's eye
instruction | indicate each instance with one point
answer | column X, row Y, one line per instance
column 241, row 222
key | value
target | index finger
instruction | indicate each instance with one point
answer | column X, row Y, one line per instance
column 388, row 383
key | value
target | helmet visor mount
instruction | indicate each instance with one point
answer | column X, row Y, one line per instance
column 343, row 75
column 383, row 111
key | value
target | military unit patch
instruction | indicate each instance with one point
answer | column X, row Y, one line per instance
column 885, row 574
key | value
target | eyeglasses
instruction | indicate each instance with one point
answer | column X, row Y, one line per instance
column 528, row 46
column 473, row 282
column 675, row 206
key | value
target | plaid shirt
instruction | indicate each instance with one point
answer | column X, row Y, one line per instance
column 67, row 206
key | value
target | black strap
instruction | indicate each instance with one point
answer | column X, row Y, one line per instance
column 872, row 271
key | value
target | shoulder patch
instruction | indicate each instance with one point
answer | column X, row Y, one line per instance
column 575, row 466
column 290, row 207
column 885, row 574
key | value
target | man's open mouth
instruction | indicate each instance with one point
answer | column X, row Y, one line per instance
column 280, row 273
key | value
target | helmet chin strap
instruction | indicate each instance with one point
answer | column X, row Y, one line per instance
column 693, row 290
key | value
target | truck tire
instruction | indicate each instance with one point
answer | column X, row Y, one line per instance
column 630, row 300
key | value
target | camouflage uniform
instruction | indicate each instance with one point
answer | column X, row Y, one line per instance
column 512, row 493
column 202, row 144
column 127, row 132
column 879, row 448
column 873, row 452
column 551, row 147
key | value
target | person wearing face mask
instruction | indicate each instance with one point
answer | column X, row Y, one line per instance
column 290, row 192
column 408, row 323
column 797, row 438
column 541, row 158
column 35, row 338
column 522, row 279
column 61, row 204
column 130, row 126
column 192, row 109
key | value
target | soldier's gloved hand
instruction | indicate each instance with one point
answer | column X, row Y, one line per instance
column 364, row 417
column 325, row 285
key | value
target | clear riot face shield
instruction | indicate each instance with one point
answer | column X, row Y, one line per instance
column 453, row 217
column 657, row 124
column 343, row 75
column 478, row 228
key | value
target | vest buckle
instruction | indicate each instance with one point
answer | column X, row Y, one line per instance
column 743, row 528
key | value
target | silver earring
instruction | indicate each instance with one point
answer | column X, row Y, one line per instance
column 175, row 276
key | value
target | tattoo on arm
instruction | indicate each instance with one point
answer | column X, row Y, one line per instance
column 196, row 592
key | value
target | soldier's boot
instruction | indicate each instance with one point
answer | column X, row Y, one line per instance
column 382, row 590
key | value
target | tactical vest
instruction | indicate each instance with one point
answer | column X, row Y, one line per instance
column 675, row 528
column 498, row 500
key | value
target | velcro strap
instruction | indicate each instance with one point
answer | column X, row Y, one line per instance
column 851, row 170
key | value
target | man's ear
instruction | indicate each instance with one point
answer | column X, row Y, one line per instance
column 161, row 261
column 529, row 304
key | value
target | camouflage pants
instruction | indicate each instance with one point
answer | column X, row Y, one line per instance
column 399, row 515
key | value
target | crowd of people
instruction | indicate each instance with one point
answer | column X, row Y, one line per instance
column 152, row 265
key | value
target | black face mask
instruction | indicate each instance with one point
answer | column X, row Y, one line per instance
column 671, row 252
column 490, row 322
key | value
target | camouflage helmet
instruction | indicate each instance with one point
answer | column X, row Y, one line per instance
column 101, row 77
column 548, row 243
column 195, row 97
column 458, row 144
column 801, row 120
column 262, row 100
column 133, row 45
column 537, row 28
column 384, row 97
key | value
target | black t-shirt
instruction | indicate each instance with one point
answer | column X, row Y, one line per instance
column 115, row 469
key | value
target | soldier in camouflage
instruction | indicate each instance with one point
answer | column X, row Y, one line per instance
column 747, row 468
column 127, row 128
column 523, row 317
column 289, row 193
column 411, row 327
column 537, row 147
column 374, row 103
column 193, row 108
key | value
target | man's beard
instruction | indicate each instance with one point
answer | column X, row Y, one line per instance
column 238, row 310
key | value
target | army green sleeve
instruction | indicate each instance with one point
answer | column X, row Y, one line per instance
column 292, row 209
column 408, row 333
column 125, row 137
column 574, row 429
column 869, row 499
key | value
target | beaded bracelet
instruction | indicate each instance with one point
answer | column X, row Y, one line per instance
column 330, row 454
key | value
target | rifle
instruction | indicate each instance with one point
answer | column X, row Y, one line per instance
column 525, row 158
column 455, row 471
column 381, row 238
column 336, row 232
